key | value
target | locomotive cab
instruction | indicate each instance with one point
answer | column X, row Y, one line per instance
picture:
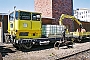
column 23, row 24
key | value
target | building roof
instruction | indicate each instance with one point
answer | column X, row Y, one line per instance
column 48, row 17
column 83, row 9
column 3, row 13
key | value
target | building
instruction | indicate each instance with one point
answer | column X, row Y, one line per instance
column 84, row 24
column 3, row 25
column 47, row 20
column 83, row 14
column 54, row 9
column 5, row 21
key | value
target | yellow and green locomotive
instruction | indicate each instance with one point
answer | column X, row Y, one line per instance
column 23, row 25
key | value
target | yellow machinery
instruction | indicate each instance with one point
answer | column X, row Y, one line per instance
column 25, row 24
column 25, row 30
column 23, row 27
column 80, row 34
column 63, row 16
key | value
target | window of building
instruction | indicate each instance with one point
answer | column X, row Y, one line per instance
column 82, row 12
column 82, row 16
column 88, row 15
column 89, row 11
column 74, row 11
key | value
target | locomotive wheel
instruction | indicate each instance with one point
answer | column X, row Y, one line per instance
column 27, row 45
column 56, row 45
column 16, row 46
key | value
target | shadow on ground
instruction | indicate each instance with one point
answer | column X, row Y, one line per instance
column 38, row 47
column 4, row 51
column 83, row 41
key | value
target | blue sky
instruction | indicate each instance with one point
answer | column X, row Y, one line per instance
column 81, row 4
column 6, row 5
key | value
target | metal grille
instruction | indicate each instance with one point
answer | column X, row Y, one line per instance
column 23, row 34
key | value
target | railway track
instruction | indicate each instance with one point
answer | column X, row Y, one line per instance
column 67, row 57
column 77, row 50
column 48, row 53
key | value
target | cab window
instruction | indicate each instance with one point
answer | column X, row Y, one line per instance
column 25, row 15
column 16, row 15
column 36, row 17
column 11, row 16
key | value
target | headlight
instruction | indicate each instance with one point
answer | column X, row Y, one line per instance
column 25, row 24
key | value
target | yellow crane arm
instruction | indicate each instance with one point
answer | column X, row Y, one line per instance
column 63, row 16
